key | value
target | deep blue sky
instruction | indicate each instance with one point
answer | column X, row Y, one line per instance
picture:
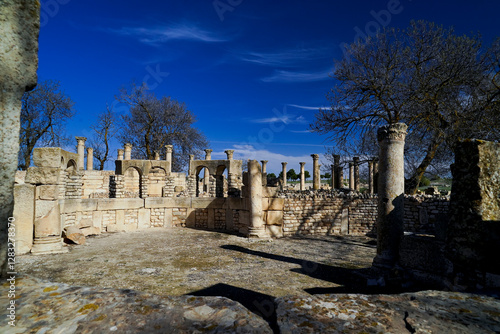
column 253, row 72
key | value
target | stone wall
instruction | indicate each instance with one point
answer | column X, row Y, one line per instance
column 96, row 183
column 327, row 212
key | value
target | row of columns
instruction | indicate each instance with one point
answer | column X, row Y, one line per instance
column 354, row 181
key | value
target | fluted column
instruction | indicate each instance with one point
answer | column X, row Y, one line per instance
column 390, row 220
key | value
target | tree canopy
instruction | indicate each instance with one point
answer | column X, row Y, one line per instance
column 44, row 113
column 155, row 122
column 445, row 87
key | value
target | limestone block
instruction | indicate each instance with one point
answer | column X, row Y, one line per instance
column 50, row 192
column 275, row 231
column 203, row 203
column 276, row 204
column 74, row 234
column 120, row 204
column 236, row 203
column 90, row 231
column 144, row 218
column 47, row 157
column 75, row 205
column 47, row 219
column 274, row 218
column 211, row 219
column 84, row 223
column 20, row 176
column 344, row 227
column 159, row 202
column 167, row 222
column 43, row 175
column 191, row 218
column 24, row 215
column 265, row 204
column 97, row 219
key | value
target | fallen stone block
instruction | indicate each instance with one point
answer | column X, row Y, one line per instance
column 74, row 234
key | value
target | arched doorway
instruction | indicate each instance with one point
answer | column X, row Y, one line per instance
column 132, row 182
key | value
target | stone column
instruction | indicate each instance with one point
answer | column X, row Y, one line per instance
column 81, row 151
column 283, row 174
column 120, row 154
column 168, row 157
column 157, row 155
column 256, row 228
column 208, row 154
column 264, row 166
column 229, row 154
column 128, row 151
column 351, row 175
column 90, row 158
column 332, row 172
column 20, row 23
column 302, row 176
column 338, row 174
column 390, row 220
column 356, row 173
column 191, row 158
column 375, row 175
column 370, row 176
column 316, row 174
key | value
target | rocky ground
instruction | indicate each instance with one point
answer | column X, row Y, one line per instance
column 192, row 281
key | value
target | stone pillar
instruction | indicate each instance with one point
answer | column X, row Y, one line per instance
column 332, row 172
column 208, row 154
column 143, row 186
column 264, row 166
column 168, row 157
column 339, row 175
column 356, row 173
column 128, row 151
column 81, row 152
column 351, row 175
column 256, row 228
column 283, row 174
column 157, row 155
column 370, row 176
column 316, row 174
column 302, row 176
column 390, row 220
column 375, row 175
column 229, row 154
column 90, row 158
column 120, row 154
column 19, row 25
column 191, row 158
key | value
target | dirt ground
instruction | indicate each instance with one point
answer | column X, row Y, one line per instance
column 186, row 261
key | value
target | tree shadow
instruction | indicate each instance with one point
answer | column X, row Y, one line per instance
column 258, row 303
column 348, row 280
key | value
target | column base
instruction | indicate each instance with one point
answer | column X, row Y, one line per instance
column 257, row 232
column 48, row 245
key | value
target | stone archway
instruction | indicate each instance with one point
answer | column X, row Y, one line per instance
column 202, row 187
column 132, row 182
column 221, row 181
column 156, row 181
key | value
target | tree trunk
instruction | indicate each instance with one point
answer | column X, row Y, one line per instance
column 414, row 181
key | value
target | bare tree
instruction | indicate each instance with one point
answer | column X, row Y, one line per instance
column 44, row 113
column 104, row 130
column 443, row 86
column 153, row 123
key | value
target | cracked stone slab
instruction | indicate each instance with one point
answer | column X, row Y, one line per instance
column 421, row 312
column 47, row 307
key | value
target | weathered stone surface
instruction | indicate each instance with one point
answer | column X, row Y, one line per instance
column 421, row 312
column 49, row 192
column 94, row 310
column 47, row 219
column 120, row 204
column 24, row 215
column 473, row 232
column 53, row 157
column 74, row 234
column 91, row 230
column 43, row 175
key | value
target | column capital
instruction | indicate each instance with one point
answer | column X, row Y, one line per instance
column 127, row 145
column 336, row 159
column 229, row 154
column 169, row 148
column 315, row 156
column 81, row 140
column 284, row 164
column 396, row 132
column 191, row 157
column 302, row 164
column 264, row 161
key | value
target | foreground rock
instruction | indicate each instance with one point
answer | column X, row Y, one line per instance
column 45, row 307
column 421, row 312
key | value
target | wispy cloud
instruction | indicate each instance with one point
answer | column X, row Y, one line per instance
column 285, row 58
column 301, row 131
column 163, row 34
column 306, row 107
column 289, row 76
column 285, row 118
